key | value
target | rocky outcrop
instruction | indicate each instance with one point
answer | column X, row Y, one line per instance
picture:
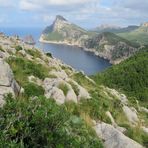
column 7, row 82
column 52, row 90
column 113, row 138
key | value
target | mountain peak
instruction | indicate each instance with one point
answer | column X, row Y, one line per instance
column 61, row 18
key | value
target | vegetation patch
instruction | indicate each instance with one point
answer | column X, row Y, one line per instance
column 64, row 88
column 41, row 123
column 34, row 52
column 32, row 90
column 18, row 48
column 1, row 49
column 129, row 76
column 22, row 68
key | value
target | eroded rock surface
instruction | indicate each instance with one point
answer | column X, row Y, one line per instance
column 7, row 82
column 113, row 138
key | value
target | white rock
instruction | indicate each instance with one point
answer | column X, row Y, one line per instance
column 2, row 102
column 143, row 109
column 60, row 74
column 83, row 93
column 7, row 82
column 145, row 129
column 6, row 75
column 114, row 138
column 131, row 114
column 71, row 96
column 57, row 95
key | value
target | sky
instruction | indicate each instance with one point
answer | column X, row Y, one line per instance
column 86, row 13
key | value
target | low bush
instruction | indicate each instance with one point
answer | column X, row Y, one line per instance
column 42, row 123
column 18, row 48
column 32, row 89
column 64, row 88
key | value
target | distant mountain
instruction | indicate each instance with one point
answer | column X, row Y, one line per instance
column 106, row 45
column 114, row 29
column 139, row 35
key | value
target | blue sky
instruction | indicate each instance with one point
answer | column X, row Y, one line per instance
column 86, row 13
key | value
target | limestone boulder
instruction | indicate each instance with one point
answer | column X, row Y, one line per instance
column 57, row 95
column 7, row 82
column 113, row 138
column 131, row 114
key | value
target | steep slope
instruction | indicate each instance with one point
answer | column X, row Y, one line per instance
column 111, row 47
column 60, row 107
column 106, row 45
column 139, row 35
column 131, row 76
column 64, row 31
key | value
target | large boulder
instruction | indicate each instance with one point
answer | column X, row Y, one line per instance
column 71, row 96
column 7, row 82
column 57, row 94
column 113, row 138
column 131, row 114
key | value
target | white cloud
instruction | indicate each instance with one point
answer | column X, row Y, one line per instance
column 26, row 5
column 38, row 4
column 6, row 3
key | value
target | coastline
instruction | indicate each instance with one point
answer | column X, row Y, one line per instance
column 83, row 48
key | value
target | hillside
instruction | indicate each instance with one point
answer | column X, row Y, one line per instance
column 111, row 46
column 130, row 76
column 47, row 103
column 139, row 35
column 106, row 45
column 115, row 29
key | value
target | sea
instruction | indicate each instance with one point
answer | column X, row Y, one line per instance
column 74, row 56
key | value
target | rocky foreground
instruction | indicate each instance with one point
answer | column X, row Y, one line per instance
column 63, row 84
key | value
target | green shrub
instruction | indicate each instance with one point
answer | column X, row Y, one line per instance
column 18, row 48
column 130, row 76
column 64, row 88
column 34, row 52
column 32, row 89
column 49, row 54
column 42, row 123
column 1, row 49
column 22, row 68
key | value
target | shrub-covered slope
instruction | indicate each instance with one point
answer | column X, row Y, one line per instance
column 131, row 76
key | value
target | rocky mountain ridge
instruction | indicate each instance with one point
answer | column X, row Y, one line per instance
column 63, row 32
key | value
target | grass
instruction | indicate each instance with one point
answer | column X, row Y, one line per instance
column 34, row 52
column 139, row 35
column 54, row 36
column 32, row 89
column 22, row 68
column 1, row 49
column 64, row 88
column 75, row 88
column 18, row 48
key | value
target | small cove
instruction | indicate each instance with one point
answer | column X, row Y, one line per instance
column 71, row 55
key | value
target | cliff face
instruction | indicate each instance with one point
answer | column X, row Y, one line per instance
column 106, row 45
